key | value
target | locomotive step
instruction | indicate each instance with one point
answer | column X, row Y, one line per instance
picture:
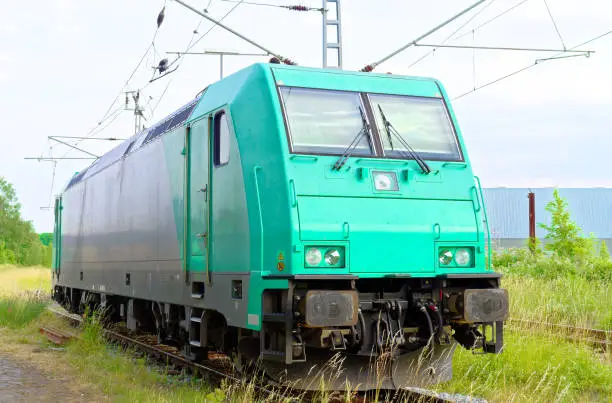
column 273, row 355
column 275, row 317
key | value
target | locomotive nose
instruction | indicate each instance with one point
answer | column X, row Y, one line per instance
column 387, row 235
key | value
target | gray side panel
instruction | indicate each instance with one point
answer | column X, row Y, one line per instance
column 122, row 220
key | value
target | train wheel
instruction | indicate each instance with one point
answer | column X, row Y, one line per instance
column 246, row 355
column 196, row 354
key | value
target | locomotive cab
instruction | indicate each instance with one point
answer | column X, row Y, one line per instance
column 388, row 247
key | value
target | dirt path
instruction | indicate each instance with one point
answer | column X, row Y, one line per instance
column 20, row 382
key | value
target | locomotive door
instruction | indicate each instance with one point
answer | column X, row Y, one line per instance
column 198, row 196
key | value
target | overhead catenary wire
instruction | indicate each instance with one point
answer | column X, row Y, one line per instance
column 107, row 115
column 373, row 65
column 193, row 43
column 535, row 63
column 234, row 32
column 54, row 162
column 41, row 158
column 453, row 33
column 474, row 59
column 471, row 32
column 490, row 20
column 295, row 7
column 554, row 24
column 221, row 55
column 111, row 118
column 53, row 172
column 507, row 48
column 148, row 49
column 189, row 46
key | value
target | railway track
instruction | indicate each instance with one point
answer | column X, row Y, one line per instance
column 218, row 367
column 596, row 337
column 219, row 370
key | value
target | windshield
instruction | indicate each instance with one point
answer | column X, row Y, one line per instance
column 324, row 121
column 422, row 122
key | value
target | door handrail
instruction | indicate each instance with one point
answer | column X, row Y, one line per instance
column 484, row 210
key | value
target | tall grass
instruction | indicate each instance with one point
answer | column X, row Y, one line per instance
column 23, row 295
column 15, row 280
column 573, row 301
column 557, row 289
column 17, row 312
column 533, row 368
column 535, row 364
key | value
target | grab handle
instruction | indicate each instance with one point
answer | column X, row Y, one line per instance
column 437, row 232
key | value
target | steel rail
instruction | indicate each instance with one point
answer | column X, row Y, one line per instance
column 599, row 337
column 155, row 351
column 59, row 337
column 56, row 336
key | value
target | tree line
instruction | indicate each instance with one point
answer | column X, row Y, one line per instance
column 19, row 243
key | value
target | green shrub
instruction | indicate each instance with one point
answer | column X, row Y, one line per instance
column 7, row 256
column 564, row 234
column 570, row 254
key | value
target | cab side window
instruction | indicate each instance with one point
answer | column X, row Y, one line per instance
column 221, row 139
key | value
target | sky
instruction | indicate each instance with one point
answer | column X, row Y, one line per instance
column 63, row 62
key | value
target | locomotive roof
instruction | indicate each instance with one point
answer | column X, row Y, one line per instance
column 181, row 115
column 136, row 141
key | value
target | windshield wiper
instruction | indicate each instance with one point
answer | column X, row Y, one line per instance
column 391, row 130
column 365, row 129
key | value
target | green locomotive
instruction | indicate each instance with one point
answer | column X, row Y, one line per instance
column 291, row 216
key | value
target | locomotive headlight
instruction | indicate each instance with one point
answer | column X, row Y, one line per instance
column 313, row 256
column 382, row 182
column 385, row 180
column 446, row 257
column 462, row 257
column 332, row 257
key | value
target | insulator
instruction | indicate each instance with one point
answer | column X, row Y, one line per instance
column 163, row 65
column 160, row 16
column 299, row 8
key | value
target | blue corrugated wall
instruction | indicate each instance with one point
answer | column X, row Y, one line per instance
column 508, row 210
